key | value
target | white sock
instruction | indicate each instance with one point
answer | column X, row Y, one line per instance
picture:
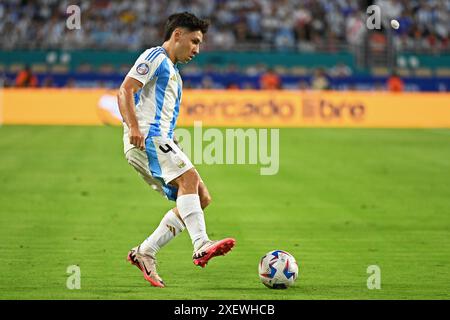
column 192, row 214
column 169, row 227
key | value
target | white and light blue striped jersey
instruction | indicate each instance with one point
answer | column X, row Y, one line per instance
column 158, row 102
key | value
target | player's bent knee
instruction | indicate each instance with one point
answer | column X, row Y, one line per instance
column 205, row 201
column 190, row 177
column 188, row 182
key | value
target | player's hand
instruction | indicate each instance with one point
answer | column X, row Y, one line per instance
column 136, row 138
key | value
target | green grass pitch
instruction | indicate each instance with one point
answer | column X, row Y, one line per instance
column 344, row 199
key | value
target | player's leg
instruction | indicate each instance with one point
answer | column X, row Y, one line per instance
column 172, row 224
column 166, row 161
column 190, row 208
column 169, row 227
column 144, row 255
column 205, row 197
column 211, row 248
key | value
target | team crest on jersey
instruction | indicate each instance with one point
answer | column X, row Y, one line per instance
column 142, row 69
column 181, row 164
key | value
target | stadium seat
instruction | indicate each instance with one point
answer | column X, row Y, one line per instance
column 84, row 68
column 443, row 72
column 106, row 69
column 404, row 72
column 60, row 68
column 124, row 68
column 39, row 68
column 300, row 71
column 281, row 70
column 16, row 67
column 423, row 72
column 380, row 71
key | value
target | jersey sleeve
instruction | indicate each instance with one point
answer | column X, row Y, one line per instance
column 146, row 66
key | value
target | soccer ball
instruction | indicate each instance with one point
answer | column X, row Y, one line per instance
column 278, row 269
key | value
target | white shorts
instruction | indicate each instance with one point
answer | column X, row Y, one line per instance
column 161, row 162
column 166, row 160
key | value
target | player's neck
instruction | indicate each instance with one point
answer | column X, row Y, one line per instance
column 166, row 45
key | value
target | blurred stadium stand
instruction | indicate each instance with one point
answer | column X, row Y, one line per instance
column 295, row 38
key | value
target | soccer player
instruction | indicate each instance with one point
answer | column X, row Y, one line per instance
column 149, row 102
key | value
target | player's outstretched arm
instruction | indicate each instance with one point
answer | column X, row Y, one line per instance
column 125, row 99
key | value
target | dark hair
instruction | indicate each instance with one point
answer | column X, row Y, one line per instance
column 184, row 20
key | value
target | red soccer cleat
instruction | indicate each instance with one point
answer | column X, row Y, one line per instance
column 211, row 249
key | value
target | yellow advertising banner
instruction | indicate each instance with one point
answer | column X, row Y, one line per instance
column 234, row 108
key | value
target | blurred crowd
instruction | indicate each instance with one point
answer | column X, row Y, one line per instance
column 236, row 24
column 263, row 78
column 424, row 24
